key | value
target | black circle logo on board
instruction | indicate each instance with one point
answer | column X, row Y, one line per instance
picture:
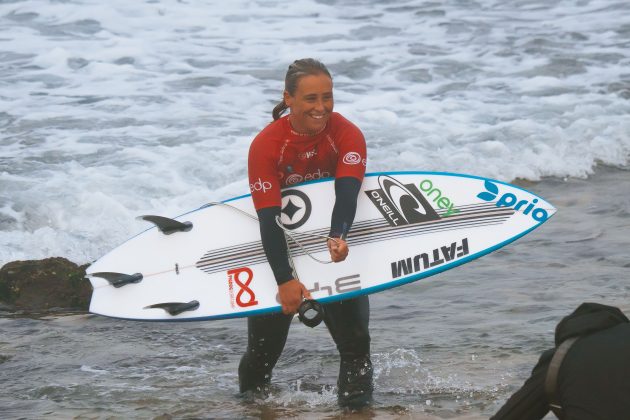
column 296, row 209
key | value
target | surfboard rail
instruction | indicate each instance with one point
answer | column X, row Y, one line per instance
column 409, row 225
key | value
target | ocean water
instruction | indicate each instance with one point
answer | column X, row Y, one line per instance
column 110, row 110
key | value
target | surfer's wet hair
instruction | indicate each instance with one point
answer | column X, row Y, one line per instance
column 297, row 70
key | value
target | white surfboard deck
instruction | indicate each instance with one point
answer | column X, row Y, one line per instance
column 408, row 226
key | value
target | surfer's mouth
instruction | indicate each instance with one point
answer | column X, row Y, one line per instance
column 319, row 119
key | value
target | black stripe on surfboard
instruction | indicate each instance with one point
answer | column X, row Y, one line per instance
column 252, row 253
column 261, row 258
column 254, row 249
column 242, row 250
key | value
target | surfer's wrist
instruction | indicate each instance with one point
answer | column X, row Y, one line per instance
column 334, row 239
column 283, row 279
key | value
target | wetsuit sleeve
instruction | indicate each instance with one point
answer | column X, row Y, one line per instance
column 529, row 402
column 351, row 162
column 274, row 244
column 346, row 193
column 265, row 188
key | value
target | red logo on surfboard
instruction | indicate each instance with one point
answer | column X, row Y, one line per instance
column 241, row 277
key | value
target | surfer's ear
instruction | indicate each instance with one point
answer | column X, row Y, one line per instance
column 288, row 99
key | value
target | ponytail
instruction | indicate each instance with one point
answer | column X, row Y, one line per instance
column 279, row 109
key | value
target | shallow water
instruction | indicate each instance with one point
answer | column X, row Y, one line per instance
column 451, row 346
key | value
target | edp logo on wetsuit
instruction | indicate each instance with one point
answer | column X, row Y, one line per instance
column 260, row 185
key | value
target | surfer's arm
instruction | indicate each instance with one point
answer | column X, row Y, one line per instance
column 349, row 173
column 274, row 244
column 346, row 193
column 265, row 188
column 290, row 290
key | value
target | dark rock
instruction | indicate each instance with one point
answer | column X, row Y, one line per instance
column 44, row 284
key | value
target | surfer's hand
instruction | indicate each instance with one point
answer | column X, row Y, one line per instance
column 338, row 249
column 291, row 294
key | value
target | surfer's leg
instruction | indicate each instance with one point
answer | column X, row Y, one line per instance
column 266, row 335
column 348, row 323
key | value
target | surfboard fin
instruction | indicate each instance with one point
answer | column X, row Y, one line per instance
column 175, row 308
column 167, row 226
column 119, row 279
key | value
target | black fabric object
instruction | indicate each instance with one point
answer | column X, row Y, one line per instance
column 588, row 318
column 348, row 324
column 346, row 192
column 593, row 380
column 274, row 244
column 266, row 336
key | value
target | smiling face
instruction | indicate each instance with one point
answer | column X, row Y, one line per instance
column 311, row 104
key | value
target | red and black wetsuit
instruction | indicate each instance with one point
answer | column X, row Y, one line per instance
column 279, row 157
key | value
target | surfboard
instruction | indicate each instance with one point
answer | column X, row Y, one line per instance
column 209, row 263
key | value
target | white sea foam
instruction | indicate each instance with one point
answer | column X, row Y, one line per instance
column 89, row 369
column 111, row 110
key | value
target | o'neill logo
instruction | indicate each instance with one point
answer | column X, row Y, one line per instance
column 241, row 278
column 510, row 200
column 401, row 204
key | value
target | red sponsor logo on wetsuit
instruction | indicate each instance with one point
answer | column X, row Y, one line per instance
column 260, row 185
column 352, row 158
column 307, row 155
column 294, row 179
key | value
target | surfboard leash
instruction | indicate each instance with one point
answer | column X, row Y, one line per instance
column 291, row 234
